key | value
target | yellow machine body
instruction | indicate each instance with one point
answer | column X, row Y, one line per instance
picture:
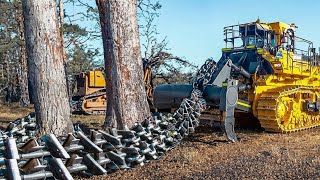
column 288, row 99
column 90, row 91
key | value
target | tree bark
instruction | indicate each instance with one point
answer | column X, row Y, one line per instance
column 127, row 102
column 8, row 75
column 23, row 79
column 61, row 20
column 45, row 66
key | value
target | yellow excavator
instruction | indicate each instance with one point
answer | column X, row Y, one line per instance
column 266, row 72
column 90, row 96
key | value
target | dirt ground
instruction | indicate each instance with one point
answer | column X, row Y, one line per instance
column 14, row 111
column 206, row 155
column 258, row 155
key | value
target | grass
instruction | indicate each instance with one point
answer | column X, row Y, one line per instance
column 12, row 112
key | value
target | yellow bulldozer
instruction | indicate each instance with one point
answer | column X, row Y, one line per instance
column 90, row 96
column 266, row 72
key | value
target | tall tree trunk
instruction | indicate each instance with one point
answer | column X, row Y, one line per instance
column 8, row 75
column 45, row 65
column 127, row 102
column 61, row 20
column 23, row 79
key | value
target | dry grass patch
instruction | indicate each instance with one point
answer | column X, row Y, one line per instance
column 13, row 111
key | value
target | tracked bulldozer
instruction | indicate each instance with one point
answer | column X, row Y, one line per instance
column 90, row 91
column 266, row 72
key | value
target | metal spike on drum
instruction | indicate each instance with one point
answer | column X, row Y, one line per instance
column 73, row 164
column 11, row 149
column 177, row 115
column 32, row 149
column 71, row 144
column 147, row 136
column 93, row 166
column 39, row 175
column 114, row 132
column 101, row 158
column 141, row 132
column 24, row 138
column 36, row 154
column 151, row 143
column 191, row 126
column 183, row 130
column 147, row 124
column 88, row 144
column 32, row 165
column 156, row 129
column 145, row 150
column 54, row 146
column 128, row 137
column 133, row 155
column 97, row 138
column 59, row 170
column 31, row 126
column 21, row 132
column 152, row 155
column 31, row 146
column 164, row 124
column 169, row 141
column 161, row 146
column 12, row 169
column 113, row 142
column 117, row 161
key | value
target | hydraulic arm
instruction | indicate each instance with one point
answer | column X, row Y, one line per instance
column 221, row 92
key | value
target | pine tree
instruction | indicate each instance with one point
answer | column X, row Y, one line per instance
column 46, row 66
column 127, row 102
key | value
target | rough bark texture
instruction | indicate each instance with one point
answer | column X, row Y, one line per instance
column 45, row 65
column 127, row 102
column 61, row 20
column 23, row 79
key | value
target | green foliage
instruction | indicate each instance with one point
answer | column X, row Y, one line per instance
column 78, row 35
column 11, row 45
column 82, row 59
column 74, row 29
column 81, row 55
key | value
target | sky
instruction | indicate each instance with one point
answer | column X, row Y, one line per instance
column 194, row 28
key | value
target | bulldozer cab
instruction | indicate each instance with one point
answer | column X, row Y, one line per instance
column 257, row 35
column 250, row 35
column 276, row 38
column 265, row 36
